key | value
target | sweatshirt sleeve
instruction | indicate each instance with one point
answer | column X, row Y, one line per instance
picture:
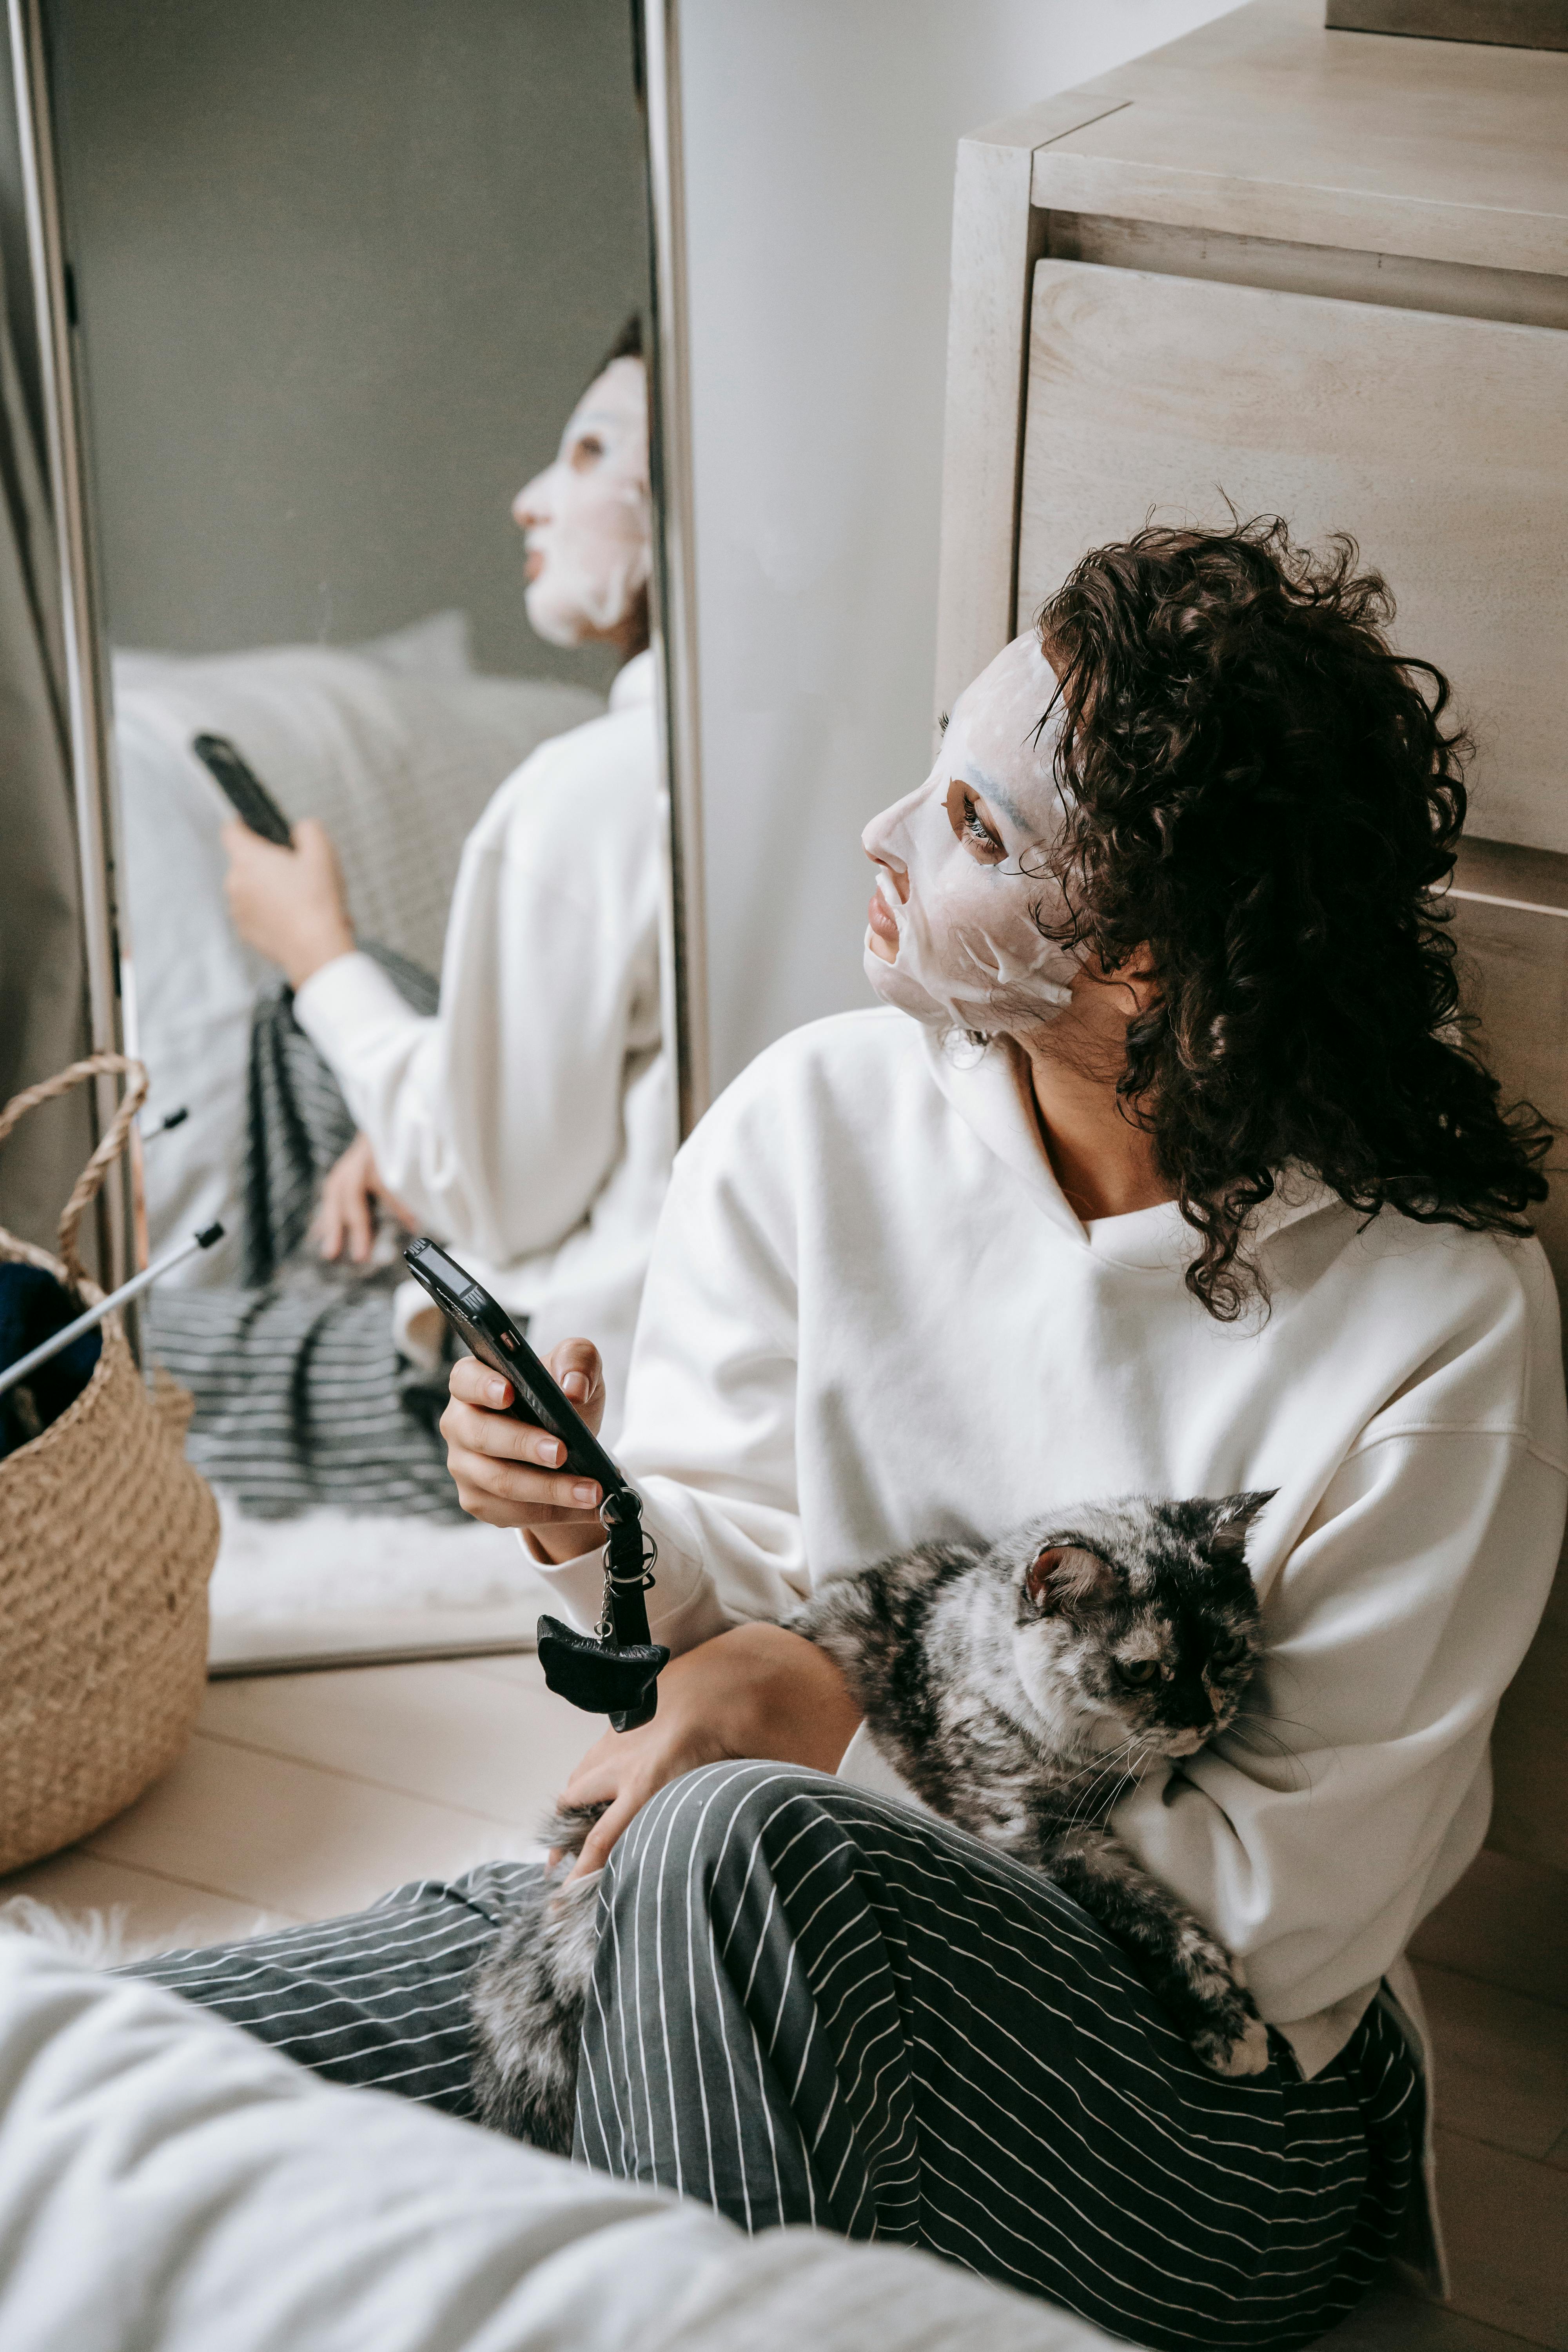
column 498, row 1120
column 710, row 1435
column 1354, row 1790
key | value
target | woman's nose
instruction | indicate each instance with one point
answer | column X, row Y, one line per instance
column 531, row 504
column 877, row 840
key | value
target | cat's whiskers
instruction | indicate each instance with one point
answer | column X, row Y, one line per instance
column 1113, row 1767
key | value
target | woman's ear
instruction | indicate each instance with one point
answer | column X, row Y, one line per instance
column 1138, row 975
column 1065, row 1580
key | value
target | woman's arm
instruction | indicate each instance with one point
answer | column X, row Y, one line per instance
column 498, row 1120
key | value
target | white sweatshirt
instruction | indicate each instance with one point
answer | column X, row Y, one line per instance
column 528, row 1125
column 871, row 1317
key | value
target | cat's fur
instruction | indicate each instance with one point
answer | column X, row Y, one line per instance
column 995, row 1678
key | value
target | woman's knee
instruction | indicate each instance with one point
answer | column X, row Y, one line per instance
column 713, row 1818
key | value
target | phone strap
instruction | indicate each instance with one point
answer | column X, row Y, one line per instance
column 616, row 1672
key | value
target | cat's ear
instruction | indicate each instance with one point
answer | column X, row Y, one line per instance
column 1065, row 1579
column 1233, row 1522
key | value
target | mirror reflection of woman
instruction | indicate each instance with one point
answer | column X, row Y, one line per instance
column 525, row 1122
column 1162, row 1169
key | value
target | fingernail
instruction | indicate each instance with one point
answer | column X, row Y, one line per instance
column 550, row 1450
column 496, row 1391
column 576, row 1385
column 584, row 1493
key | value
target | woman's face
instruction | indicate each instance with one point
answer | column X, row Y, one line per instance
column 961, row 864
column 587, row 517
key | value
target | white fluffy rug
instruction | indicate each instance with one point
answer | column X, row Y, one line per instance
column 330, row 1582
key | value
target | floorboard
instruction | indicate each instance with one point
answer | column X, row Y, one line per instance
column 1391, row 2321
column 282, row 1835
column 1503, row 2062
column 1506, row 2221
column 498, row 1746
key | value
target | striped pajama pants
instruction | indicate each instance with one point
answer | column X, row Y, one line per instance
column 301, row 1395
column 814, row 2005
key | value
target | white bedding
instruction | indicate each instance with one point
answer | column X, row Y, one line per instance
column 396, row 747
column 168, row 2185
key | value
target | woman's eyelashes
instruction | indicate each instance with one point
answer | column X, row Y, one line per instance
column 970, row 825
column 586, row 451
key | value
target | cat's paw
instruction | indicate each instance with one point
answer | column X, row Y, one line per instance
column 1221, row 2024
column 1225, row 2050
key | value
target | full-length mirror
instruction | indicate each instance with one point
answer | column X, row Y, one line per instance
column 362, row 290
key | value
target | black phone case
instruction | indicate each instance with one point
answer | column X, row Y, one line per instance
column 492, row 1336
column 242, row 788
column 616, row 1675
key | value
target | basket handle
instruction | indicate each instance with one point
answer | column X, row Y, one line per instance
column 88, row 1184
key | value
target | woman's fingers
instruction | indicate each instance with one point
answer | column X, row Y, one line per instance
column 554, row 1497
column 511, row 1472
column 361, row 1222
column 575, row 1364
column 599, row 1844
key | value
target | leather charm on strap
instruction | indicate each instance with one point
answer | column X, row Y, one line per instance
column 615, row 1673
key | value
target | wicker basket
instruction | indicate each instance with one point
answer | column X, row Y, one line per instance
column 107, row 1540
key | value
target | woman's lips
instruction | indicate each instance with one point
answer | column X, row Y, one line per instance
column 880, row 917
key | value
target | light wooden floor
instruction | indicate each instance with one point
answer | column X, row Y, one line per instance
column 307, row 1794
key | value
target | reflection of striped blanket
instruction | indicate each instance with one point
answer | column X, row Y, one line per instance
column 302, row 1396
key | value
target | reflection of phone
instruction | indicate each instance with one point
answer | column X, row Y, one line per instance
column 492, row 1336
column 244, row 789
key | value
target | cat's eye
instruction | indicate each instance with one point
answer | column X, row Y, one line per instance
column 1139, row 1672
column 1226, row 1650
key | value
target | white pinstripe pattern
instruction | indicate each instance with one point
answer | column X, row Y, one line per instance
column 811, row 2005
column 944, row 2051
column 301, row 1395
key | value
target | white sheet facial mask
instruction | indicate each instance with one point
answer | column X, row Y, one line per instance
column 588, row 518
column 961, row 864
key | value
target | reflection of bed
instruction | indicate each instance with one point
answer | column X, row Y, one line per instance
column 395, row 746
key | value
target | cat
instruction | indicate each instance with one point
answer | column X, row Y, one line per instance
column 1021, row 1688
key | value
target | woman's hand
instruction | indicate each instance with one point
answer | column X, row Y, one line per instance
column 757, row 1691
column 490, row 1455
column 289, row 904
column 350, row 1198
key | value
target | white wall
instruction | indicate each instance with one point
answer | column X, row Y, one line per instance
column 820, row 141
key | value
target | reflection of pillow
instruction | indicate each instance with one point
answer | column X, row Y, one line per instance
column 396, row 763
column 441, row 645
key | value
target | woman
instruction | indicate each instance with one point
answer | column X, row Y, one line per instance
column 526, row 1122
column 1179, row 1180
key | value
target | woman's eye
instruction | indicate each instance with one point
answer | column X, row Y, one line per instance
column 1139, row 1672
column 978, row 832
column 588, row 451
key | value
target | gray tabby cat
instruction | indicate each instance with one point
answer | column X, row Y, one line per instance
column 1021, row 1688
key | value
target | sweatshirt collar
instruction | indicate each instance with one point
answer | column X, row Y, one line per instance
column 633, row 685
column 988, row 1086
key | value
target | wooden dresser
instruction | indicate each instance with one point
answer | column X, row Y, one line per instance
column 1323, row 274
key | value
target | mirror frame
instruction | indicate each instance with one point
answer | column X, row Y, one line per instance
column 118, row 1253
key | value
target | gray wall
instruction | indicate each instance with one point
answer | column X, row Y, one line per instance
column 343, row 267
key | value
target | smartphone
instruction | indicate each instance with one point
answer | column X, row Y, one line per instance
column 243, row 788
column 492, row 1336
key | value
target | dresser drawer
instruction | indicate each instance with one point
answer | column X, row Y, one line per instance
column 1441, row 442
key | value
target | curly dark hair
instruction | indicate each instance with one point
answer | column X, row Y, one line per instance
column 1266, row 796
